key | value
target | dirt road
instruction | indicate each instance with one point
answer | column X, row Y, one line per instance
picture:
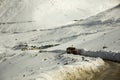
column 113, row 72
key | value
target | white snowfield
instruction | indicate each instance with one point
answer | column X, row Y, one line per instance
column 25, row 15
column 37, row 24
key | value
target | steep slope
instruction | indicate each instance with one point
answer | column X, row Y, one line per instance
column 94, row 32
column 53, row 63
column 74, row 34
column 25, row 15
column 110, row 17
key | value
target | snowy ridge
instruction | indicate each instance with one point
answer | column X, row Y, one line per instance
column 108, row 17
column 75, row 71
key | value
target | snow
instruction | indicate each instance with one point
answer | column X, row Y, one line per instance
column 39, row 65
column 48, row 13
column 48, row 23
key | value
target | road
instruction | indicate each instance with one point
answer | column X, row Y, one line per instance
column 112, row 73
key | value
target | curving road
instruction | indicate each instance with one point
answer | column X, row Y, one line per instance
column 112, row 73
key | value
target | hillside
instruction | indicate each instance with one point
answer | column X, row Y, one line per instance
column 110, row 17
column 29, row 52
column 26, row 15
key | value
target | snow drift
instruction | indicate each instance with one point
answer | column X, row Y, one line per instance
column 76, row 71
column 103, row 54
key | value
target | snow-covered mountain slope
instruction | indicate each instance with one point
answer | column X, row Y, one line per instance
column 74, row 34
column 110, row 17
column 85, row 35
column 53, row 63
column 25, row 15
